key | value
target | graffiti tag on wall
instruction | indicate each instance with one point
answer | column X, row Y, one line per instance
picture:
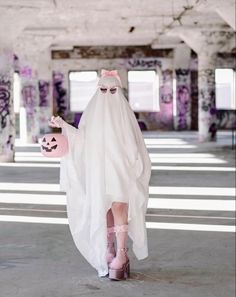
column 143, row 63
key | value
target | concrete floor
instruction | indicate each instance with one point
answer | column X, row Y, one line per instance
column 41, row 260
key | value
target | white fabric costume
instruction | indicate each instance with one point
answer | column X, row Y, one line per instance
column 107, row 161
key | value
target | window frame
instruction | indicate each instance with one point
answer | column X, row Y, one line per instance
column 17, row 110
column 69, row 89
column 158, row 89
column 233, row 100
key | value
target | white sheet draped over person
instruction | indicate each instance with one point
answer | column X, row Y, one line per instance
column 107, row 162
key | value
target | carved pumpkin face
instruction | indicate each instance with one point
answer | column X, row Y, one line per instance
column 54, row 145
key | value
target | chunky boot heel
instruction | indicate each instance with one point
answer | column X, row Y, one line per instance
column 111, row 253
column 120, row 274
column 128, row 270
column 119, row 268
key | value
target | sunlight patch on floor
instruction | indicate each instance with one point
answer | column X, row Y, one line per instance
column 193, row 168
column 199, row 191
column 149, row 225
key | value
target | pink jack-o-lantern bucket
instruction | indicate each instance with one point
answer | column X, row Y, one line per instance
column 54, row 145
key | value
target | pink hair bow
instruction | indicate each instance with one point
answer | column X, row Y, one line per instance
column 110, row 73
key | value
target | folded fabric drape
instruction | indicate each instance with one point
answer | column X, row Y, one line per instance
column 107, row 162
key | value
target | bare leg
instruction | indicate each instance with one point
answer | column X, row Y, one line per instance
column 120, row 214
column 110, row 219
column 110, row 237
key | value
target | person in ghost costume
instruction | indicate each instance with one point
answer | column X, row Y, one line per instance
column 106, row 177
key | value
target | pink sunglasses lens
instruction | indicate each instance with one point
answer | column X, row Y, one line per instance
column 113, row 90
column 103, row 90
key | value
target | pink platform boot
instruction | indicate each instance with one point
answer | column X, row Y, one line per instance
column 119, row 268
column 111, row 253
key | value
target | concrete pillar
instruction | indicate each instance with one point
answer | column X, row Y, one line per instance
column 183, row 99
column 207, row 125
column 166, row 99
column 29, row 111
column 206, row 44
column 182, row 118
column 7, row 116
column 45, row 104
column 44, row 71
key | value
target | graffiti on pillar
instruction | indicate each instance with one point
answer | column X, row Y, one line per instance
column 29, row 96
column 207, row 106
column 44, row 105
column 44, row 93
column 59, row 94
column 10, row 143
column 183, row 102
column 166, row 100
column 30, row 103
column 6, row 119
column 194, row 99
column 5, row 87
column 166, row 88
column 183, row 107
column 7, row 116
column 207, row 90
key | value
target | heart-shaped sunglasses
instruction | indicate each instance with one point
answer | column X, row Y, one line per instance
column 112, row 90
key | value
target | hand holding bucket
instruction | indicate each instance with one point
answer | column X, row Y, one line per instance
column 54, row 145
